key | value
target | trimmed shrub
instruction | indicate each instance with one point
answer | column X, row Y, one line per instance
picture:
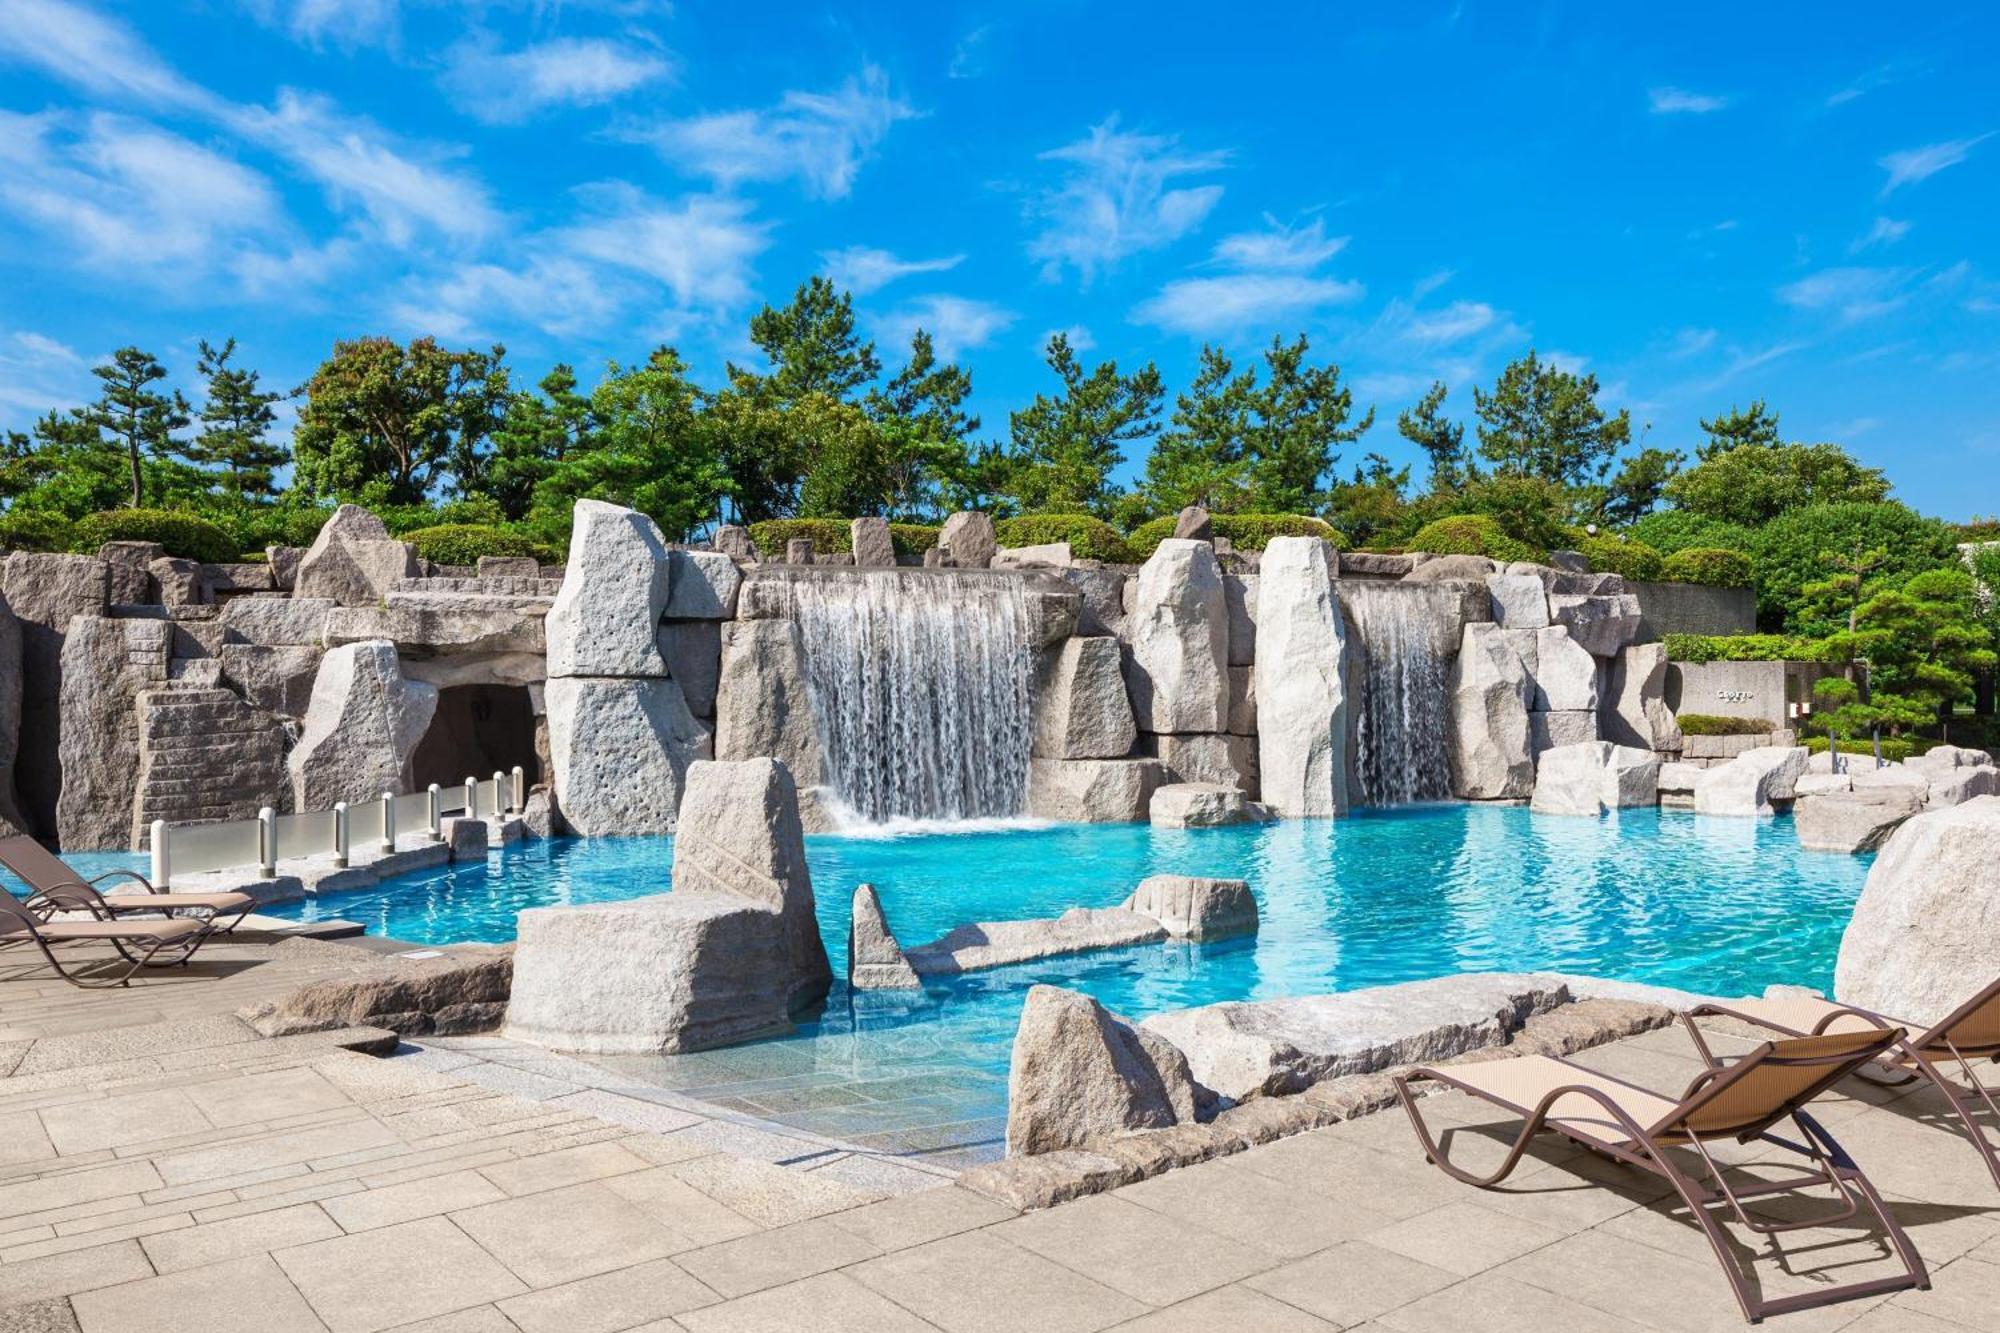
column 178, row 532
column 464, row 543
column 1744, row 648
column 471, row 511
column 1895, row 749
column 278, row 525
column 34, row 531
column 1470, row 534
column 1630, row 559
column 1089, row 538
column 1710, row 566
column 829, row 535
column 910, row 538
column 1246, row 532
column 1709, row 724
column 1672, row 530
column 1791, row 551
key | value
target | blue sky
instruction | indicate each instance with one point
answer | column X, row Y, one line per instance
column 1699, row 205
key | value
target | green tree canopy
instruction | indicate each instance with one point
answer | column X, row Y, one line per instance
column 1441, row 439
column 1371, row 506
column 236, row 419
column 1923, row 642
column 1803, row 546
column 1637, row 488
column 1755, row 424
column 536, row 432
column 1543, row 421
column 1066, row 445
column 1751, row 484
column 140, row 420
column 1203, row 457
column 812, row 346
column 385, row 423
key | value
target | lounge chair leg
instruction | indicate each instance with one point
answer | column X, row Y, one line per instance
column 1440, row 1159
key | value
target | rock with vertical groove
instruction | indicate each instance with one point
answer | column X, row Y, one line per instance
column 615, row 585
column 1300, row 681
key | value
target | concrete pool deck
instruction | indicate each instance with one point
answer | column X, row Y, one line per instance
column 162, row 1167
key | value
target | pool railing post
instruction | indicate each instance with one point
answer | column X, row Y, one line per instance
column 519, row 792
column 340, row 833
column 471, row 797
column 163, row 857
column 267, row 843
column 434, row 814
column 388, row 822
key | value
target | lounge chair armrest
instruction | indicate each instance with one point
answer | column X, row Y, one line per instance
column 145, row 883
column 69, row 898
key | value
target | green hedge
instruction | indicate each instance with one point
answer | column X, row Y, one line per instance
column 1671, row 530
column 912, row 538
column 1470, row 534
column 465, row 543
column 34, row 531
column 1630, row 559
column 1089, row 538
column 179, row 533
column 1743, row 648
column 1245, row 532
column 1895, row 749
column 1709, row 724
column 1710, row 566
column 829, row 535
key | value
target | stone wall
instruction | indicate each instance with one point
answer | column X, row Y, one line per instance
column 1691, row 608
column 1765, row 690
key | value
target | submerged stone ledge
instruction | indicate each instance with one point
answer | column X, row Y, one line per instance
column 988, row 944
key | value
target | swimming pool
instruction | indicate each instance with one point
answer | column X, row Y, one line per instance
column 1667, row 897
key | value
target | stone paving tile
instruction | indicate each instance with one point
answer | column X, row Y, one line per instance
column 396, row 1275
column 255, row 1097
column 980, row 1283
column 479, row 1319
column 77, row 1187
column 831, row 1303
column 631, row 1112
column 561, row 1235
column 67, row 1274
column 413, row 1199
column 1463, row 1238
column 1147, row 1255
column 607, row 1303
column 571, row 1166
column 1227, row 1198
column 1965, row 1291
column 1228, row 1308
column 247, row 1296
column 912, row 1219
column 234, row 1238
column 119, row 1122
column 772, row 1258
column 1352, row 1282
column 233, row 1159
column 1503, row 1306
column 766, row 1194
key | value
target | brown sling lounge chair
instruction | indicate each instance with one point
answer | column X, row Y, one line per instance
column 1968, row 1033
column 53, row 887
column 1742, row 1101
column 155, row 942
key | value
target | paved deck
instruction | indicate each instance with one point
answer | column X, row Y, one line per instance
column 190, row 1175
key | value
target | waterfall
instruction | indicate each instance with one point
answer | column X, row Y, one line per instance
column 1403, row 713
column 922, row 690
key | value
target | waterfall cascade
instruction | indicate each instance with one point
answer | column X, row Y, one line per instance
column 1403, row 712
column 922, row 689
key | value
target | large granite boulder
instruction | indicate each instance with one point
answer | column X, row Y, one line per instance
column 606, row 619
column 763, row 703
column 1835, row 819
column 354, row 561
column 1565, row 675
column 1956, row 786
column 1245, row 1049
column 621, row 747
column 1081, row 711
column 1752, row 783
column 703, row 585
column 1451, row 569
column 131, row 579
column 1300, row 673
column 1192, row 524
column 1634, row 708
column 46, row 592
column 1944, row 758
column 731, row 954
column 1079, row 1074
column 1223, row 760
column 1195, row 907
column 1594, row 777
column 1093, row 791
column 1491, row 744
column 361, row 727
column 12, row 821
column 1520, row 601
column 871, row 544
column 277, row 621
column 693, row 650
column 875, row 960
column 967, row 540
column 1548, row 730
column 1602, row 624
column 460, row 990
column 1204, row 805
column 1179, row 630
column 278, row 679
column 1921, row 940
column 982, row 945
column 205, row 756
column 106, row 664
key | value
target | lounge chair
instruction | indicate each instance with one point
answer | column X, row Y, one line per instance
column 1968, row 1033
column 1741, row 1100
column 154, row 942
column 53, row 887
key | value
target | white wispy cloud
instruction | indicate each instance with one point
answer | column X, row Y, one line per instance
column 1852, row 292
column 1569, row 363
column 1886, row 231
column 1669, row 101
column 822, row 139
column 508, row 87
column 1206, row 306
column 862, row 269
column 1879, row 77
column 1919, row 164
column 1118, row 197
column 1079, row 335
column 347, row 24
column 701, row 249
column 38, row 374
column 968, row 57
column 557, row 293
column 1692, row 342
column 1744, row 360
column 956, row 324
column 94, row 53
column 1449, row 324
column 1280, row 247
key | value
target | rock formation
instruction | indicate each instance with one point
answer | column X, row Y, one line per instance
column 1204, row 805
column 966, row 541
column 1594, row 777
column 982, row 945
column 621, row 748
column 1752, row 783
column 1302, row 704
column 875, row 960
column 869, row 540
column 1079, row 1074
column 1093, row 791
column 12, row 821
column 1081, row 710
column 1634, row 708
column 105, row 665
column 1849, row 819
column 361, row 727
column 1491, row 750
column 354, row 561
column 1192, row 907
column 606, row 619
column 1179, row 631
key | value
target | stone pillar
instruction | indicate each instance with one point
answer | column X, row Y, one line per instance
column 1300, row 680
column 1491, row 749
column 1179, row 630
column 46, row 592
column 105, row 664
column 361, row 727
column 873, row 548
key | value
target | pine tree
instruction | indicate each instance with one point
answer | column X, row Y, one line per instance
column 1755, row 424
column 236, row 419
column 1441, row 439
column 141, row 420
column 1543, row 421
column 812, row 346
column 1065, row 446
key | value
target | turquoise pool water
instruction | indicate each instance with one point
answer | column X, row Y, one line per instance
column 1713, row 905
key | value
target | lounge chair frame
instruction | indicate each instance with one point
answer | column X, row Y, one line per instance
column 37, row 868
column 1644, row 1147
column 1908, row 1062
column 20, row 927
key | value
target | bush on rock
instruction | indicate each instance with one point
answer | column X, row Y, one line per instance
column 1710, row 566
column 178, row 533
